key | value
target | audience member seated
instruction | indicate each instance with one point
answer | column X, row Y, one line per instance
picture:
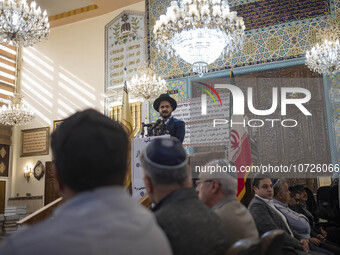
column 302, row 206
column 328, row 209
column 191, row 227
column 327, row 232
column 267, row 217
column 294, row 198
column 298, row 222
column 218, row 191
column 311, row 204
column 98, row 215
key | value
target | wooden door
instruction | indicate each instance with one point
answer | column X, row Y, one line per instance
column 2, row 196
column 51, row 184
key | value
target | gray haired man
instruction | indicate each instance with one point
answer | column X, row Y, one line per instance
column 191, row 227
column 217, row 189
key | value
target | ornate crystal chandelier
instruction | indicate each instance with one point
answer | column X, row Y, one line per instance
column 16, row 113
column 146, row 84
column 22, row 25
column 324, row 58
column 199, row 31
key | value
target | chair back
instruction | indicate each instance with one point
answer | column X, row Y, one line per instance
column 323, row 203
column 334, row 212
column 272, row 242
column 248, row 246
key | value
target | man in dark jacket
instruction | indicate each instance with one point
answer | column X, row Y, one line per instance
column 267, row 217
column 165, row 105
column 191, row 227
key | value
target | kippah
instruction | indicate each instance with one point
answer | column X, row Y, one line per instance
column 166, row 153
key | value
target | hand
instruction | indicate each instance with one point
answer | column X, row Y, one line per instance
column 321, row 238
column 305, row 245
column 323, row 232
column 315, row 241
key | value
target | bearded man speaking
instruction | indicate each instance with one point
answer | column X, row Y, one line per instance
column 165, row 105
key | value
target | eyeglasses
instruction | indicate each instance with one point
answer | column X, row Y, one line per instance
column 198, row 182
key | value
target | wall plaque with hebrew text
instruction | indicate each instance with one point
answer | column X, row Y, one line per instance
column 35, row 142
column 124, row 48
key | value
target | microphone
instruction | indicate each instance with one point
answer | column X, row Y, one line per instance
column 160, row 128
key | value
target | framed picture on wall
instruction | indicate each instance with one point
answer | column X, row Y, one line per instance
column 35, row 142
column 56, row 124
column 51, row 184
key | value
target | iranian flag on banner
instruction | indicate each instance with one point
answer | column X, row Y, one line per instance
column 239, row 153
column 239, row 148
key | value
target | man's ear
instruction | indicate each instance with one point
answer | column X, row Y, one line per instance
column 148, row 184
column 278, row 195
column 215, row 186
column 255, row 189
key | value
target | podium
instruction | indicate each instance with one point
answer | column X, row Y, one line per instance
column 137, row 145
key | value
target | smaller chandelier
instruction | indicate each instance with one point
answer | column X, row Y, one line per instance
column 22, row 25
column 324, row 58
column 146, row 84
column 199, row 31
column 16, row 113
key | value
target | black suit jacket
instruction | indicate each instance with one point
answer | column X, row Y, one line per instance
column 266, row 219
column 176, row 128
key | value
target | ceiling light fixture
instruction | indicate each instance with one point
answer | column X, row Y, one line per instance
column 22, row 25
column 146, row 84
column 16, row 113
column 324, row 58
column 199, row 31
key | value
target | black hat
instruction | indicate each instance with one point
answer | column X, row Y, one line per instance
column 164, row 97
